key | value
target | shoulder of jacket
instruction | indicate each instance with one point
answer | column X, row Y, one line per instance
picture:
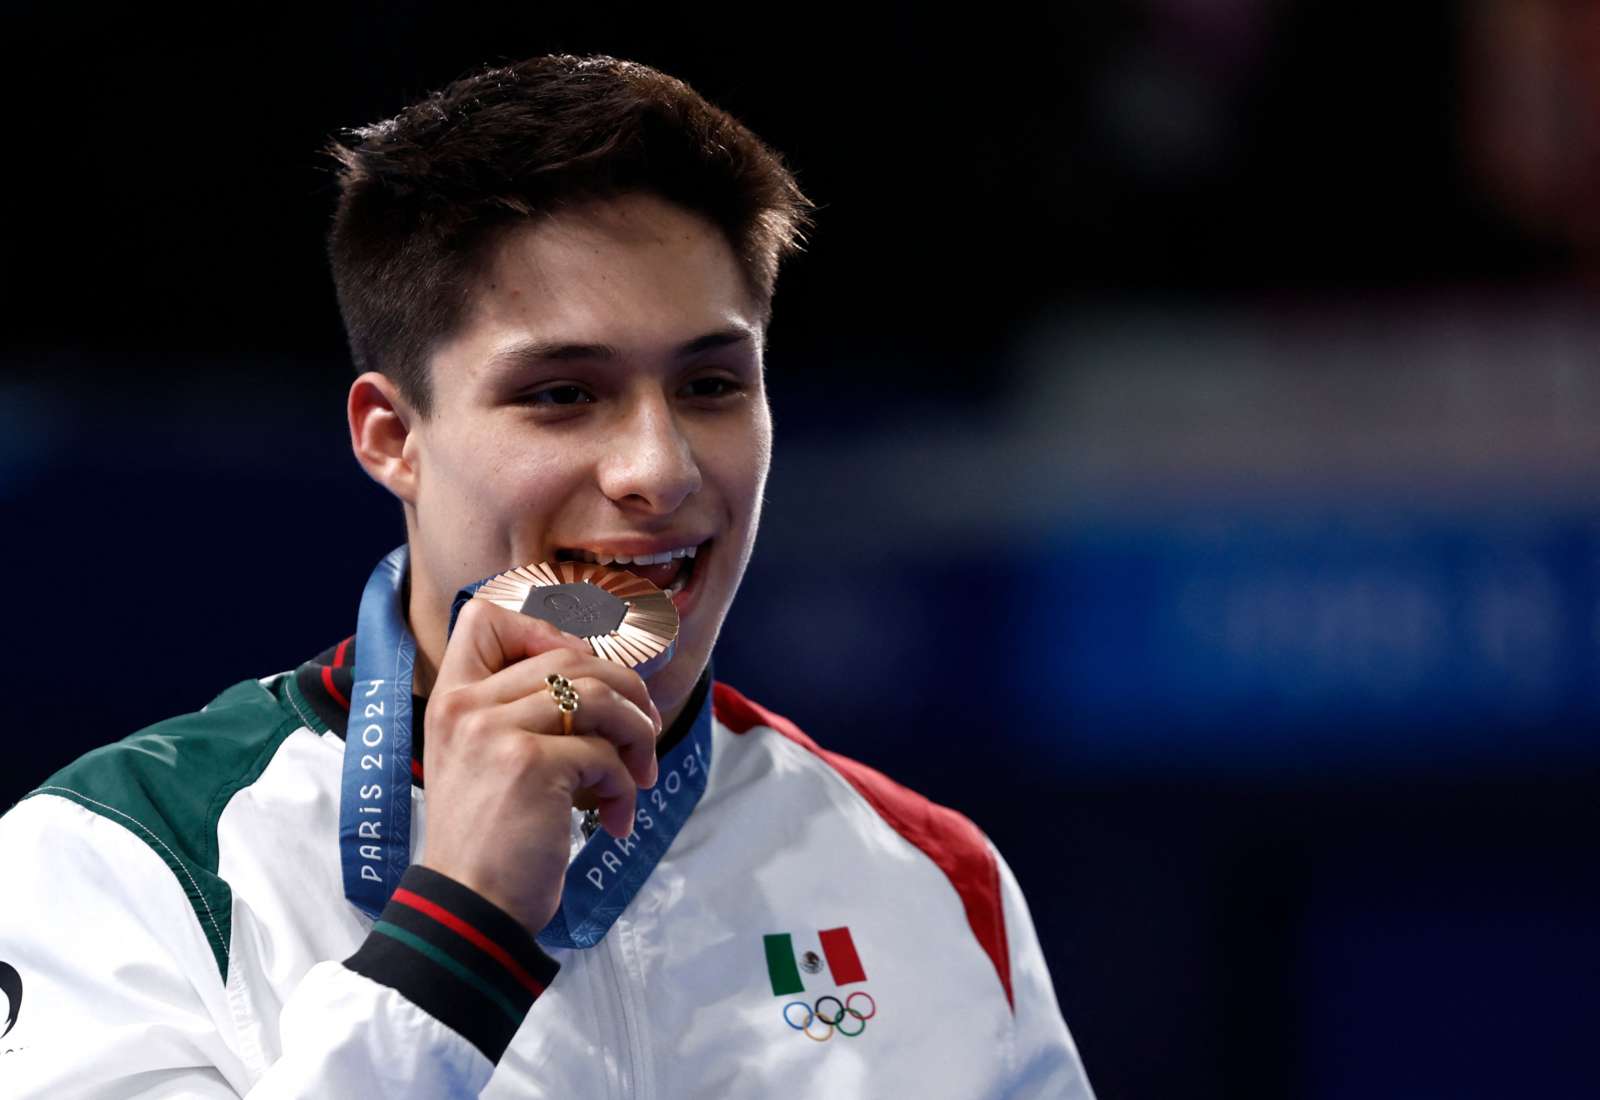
column 957, row 846
column 168, row 784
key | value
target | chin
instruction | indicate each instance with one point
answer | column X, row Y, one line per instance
column 670, row 687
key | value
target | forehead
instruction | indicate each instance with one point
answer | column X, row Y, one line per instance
column 636, row 273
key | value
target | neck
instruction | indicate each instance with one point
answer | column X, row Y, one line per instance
column 429, row 623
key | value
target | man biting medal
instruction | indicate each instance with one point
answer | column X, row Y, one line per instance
column 511, row 837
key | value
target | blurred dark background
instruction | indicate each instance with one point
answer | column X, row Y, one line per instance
column 1188, row 465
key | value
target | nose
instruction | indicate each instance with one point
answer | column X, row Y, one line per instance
column 649, row 464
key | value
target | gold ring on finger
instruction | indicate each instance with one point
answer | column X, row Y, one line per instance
column 567, row 704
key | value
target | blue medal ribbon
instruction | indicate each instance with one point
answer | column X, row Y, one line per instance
column 606, row 873
column 375, row 791
column 609, row 871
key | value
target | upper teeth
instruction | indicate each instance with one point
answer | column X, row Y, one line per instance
column 635, row 559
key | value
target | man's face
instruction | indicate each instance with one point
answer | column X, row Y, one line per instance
column 604, row 398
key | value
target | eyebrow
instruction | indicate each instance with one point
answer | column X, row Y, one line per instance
column 534, row 352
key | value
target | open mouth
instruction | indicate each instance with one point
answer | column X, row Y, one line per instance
column 669, row 570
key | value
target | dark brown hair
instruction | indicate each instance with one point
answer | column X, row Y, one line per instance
column 424, row 195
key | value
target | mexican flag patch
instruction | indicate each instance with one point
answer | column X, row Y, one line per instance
column 786, row 962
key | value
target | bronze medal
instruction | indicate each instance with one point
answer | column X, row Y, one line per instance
column 623, row 617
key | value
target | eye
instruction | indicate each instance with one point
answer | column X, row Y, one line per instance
column 712, row 386
column 564, row 394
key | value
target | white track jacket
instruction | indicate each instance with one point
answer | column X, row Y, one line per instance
column 174, row 925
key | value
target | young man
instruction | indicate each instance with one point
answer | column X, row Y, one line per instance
column 556, row 279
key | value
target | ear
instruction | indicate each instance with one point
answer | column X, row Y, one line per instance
column 381, row 423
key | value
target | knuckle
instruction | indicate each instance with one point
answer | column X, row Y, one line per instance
column 527, row 744
column 592, row 689
column 472, row 613
column 529, row 753
column 446, row 709
column 627, row 790
column 564, row 660
column 473, row 724
column 543, row 626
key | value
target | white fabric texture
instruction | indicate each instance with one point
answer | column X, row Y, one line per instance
column 123, row 996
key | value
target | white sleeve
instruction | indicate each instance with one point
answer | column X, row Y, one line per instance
column 112, row 987
column 1044, row 1059
column 346, row 1035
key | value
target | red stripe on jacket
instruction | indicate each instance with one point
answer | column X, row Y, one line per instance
column 327, row 682
column 471, row 934
column 954, row 843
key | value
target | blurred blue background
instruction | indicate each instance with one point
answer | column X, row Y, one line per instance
column 1188, row 466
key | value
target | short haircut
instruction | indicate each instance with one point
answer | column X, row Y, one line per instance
column 424, row 196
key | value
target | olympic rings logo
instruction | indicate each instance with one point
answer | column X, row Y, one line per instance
column 834, row 1017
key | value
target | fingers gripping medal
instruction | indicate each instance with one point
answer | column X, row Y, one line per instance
column 624, row 618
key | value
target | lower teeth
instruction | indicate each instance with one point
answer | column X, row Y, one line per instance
column 681, row 579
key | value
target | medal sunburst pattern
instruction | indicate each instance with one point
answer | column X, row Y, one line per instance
column 644, row 639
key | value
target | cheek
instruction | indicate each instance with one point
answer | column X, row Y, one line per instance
column 527, row 490
column 482, row 476
column 742, row 460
